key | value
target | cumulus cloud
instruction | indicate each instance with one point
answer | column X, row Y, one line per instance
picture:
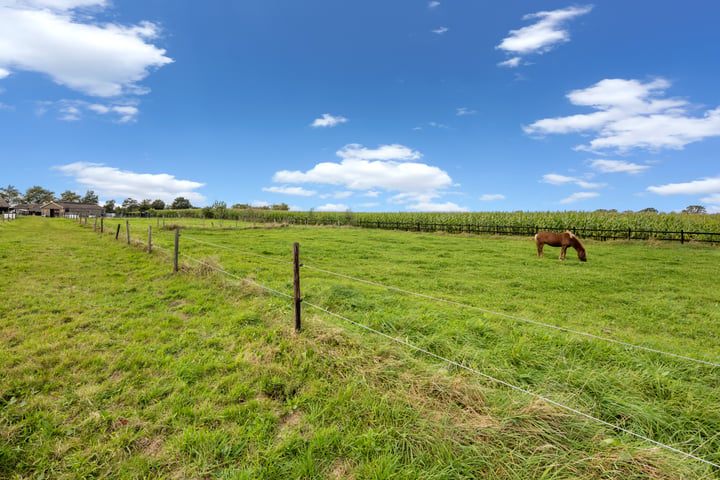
column 332, row 207
column 630, row 114
column 290, row 191
column 576, row 197
column 556, row 179
column 440, row 31
column 617, row 166
column 542, row 36
column 697, row 187
column 328, row 120
column 51, row 37
column 110, row 182
column 388, row 167
column 433, row 4
column 490, row 197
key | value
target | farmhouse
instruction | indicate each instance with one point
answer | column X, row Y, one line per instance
column 26, row 209
column 4, row 206
column 63, row 209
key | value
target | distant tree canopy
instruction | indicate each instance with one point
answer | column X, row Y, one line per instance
column 649, row 210
column 90, row 197
column 695, row 209
column 110, row 206
column 11, row 194
column 38, row 194
column 180, row 203
column 68, row 196
column 158, row 205
column 130, row 205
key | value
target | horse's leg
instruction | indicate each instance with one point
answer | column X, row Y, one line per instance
column 562, row 252
column 540, row 249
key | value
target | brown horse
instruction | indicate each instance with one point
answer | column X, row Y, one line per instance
column 563, row 240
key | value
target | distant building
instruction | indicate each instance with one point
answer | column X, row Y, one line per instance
column 26, row 209
column 4, row 206
column 71, row 209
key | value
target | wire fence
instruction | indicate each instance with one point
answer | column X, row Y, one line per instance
column 177, row 253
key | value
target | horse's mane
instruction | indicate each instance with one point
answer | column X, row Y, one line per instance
column 575, row 241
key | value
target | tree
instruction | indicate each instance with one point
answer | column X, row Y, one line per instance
column 158, row 205
column 180, row 203
column 695, row 209
column 130, row 205
column 649, row 210
column 90, row 197
column 110, row 206
column 69, row 196
column 220, row 209
column 11, row 194
column 145, row 205
column 282, row 206
column 241, row 206
column 38, row 194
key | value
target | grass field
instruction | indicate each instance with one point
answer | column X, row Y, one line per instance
column 115, row 367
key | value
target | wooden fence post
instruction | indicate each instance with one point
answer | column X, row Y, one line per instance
column 95, row 226
column 177, row 249
column 296, row 284
column 149, row 238
column 117, row 233
column 102, row 224
column 682, row 237
column 127, row 227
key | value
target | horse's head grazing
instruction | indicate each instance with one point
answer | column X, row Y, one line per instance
column 577, row 245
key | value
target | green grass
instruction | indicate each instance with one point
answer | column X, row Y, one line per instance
column 112, row 366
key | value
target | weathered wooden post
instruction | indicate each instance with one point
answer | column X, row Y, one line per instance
column 177, row 249
column 102, row 224
column 682, row 237
column 296, row 284
column 95, row 226
column 127, row 226
column 149, row 238
column 117, row 233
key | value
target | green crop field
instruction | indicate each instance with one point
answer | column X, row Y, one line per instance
column 114, row 366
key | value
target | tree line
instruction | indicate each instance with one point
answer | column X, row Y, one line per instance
column 37, row 195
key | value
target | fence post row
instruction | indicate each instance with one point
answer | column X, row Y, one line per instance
column 177, row 249
column 296, row 284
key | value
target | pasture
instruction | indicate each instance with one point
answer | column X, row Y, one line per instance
column 114, row 366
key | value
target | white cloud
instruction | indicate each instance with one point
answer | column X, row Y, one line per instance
column 697, row 187
column 355, row 151
column 617, row 166
column 542, row 36
column 511, row 62
column 74, row 110
column 490, row 197
column 437, row 207
column 101, row 60
column 332, row 207
column 290, row 191
column 433, row 4
column 462, row 111
column 576, row 197
column 631, row 115
column 440, row 30
column 555, row 179
column 328, row 120
column 387, row 167
column 4, row 73
column 110, row 182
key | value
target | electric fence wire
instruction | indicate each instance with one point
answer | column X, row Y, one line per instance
column 469, row 369
column 472, row 307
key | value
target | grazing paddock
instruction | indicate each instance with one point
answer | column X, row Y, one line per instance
column 117, row 367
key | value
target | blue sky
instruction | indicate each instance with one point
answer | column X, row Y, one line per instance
column 449, row 105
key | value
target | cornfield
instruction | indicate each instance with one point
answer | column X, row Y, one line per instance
column 600, row 225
